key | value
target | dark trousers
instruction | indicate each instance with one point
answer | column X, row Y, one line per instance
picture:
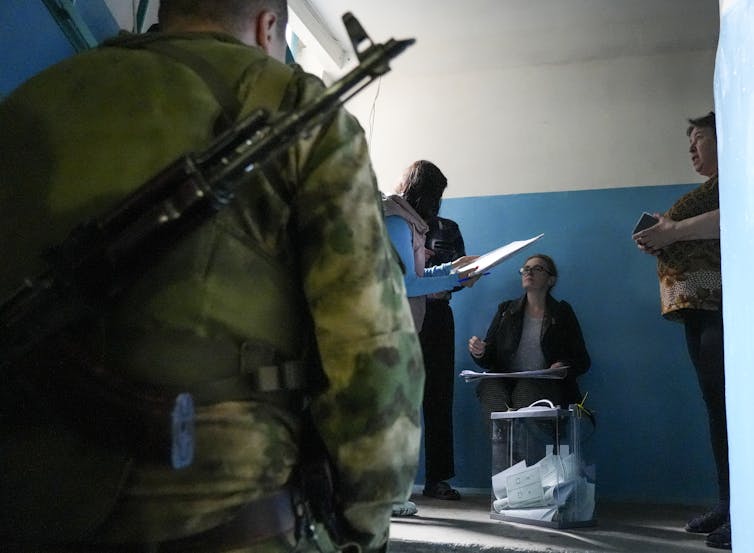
column 704, row 339
column 437, row 341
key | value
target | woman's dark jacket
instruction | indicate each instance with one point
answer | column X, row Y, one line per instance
column 561, row 340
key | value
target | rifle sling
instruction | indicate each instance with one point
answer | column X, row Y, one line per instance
column 223, row 94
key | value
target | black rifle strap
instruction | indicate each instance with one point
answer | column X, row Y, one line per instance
column 224, row 95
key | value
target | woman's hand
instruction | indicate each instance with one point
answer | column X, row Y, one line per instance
column 560, row 365
column 477, row 346
column 464, row 260
column 464, row 278
column 658, row 236
column 705, row 226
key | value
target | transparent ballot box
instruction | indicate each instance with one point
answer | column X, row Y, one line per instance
column 538, row 473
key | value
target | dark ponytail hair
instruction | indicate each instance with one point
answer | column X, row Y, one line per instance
column 422, row 186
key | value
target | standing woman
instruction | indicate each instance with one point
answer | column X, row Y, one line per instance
column 686, row 241
column 407, row 212
column 533, row 332
column 417, row 199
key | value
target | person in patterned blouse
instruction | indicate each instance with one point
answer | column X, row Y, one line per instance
column 686, row 242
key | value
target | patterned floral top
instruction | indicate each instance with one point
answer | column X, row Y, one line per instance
column 689, row 271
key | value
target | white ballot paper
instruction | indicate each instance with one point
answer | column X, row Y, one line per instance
column 525, row 489
column 490, row 259
column 551, row 487
column 500, row 480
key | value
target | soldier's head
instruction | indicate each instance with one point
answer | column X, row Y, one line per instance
column 254, row 22
column 422, row 186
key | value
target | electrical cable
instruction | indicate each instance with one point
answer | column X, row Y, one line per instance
column 374, row 110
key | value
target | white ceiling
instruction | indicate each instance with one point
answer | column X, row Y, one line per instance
column 454, row 36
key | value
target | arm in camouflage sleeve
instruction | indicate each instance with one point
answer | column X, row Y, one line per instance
column 369, row 415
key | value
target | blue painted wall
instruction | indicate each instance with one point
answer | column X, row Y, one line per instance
column 31, row 40
column 651, row 442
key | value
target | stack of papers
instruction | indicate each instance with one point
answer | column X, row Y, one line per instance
column 557, row 373
column 552, row 488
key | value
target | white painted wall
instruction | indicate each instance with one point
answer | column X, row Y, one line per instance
column 603, row 123
column 124, row 12
column 519, row 117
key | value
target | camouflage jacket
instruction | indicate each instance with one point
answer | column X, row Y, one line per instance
column 300, row 261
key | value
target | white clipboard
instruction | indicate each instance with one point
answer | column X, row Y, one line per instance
column 485, row 262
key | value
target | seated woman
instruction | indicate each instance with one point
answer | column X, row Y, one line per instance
column 533, row 332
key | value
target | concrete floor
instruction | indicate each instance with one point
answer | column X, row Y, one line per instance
column 465, row 525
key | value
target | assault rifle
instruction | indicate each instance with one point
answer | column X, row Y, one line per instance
column 103, row 256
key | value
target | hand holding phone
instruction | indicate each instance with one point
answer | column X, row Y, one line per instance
column 645, row 221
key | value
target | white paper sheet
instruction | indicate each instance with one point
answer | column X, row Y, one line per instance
column 557, row 373
column 525, row 489
column 490, row 259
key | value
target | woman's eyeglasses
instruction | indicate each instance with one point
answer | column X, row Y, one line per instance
column 533, row 269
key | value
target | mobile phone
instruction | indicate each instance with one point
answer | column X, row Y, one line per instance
column 645, row 221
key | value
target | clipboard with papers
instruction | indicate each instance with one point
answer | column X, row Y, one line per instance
column 554, row 373
column 485, row 262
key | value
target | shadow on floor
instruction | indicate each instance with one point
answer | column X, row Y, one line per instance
column 465, row 525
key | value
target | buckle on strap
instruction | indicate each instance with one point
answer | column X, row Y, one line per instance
column 257, row 362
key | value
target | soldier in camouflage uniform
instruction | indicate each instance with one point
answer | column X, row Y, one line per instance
column 297, row 269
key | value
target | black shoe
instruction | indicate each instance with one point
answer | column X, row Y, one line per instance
column 720, row 538
column 440, row 490
column 708, row 522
